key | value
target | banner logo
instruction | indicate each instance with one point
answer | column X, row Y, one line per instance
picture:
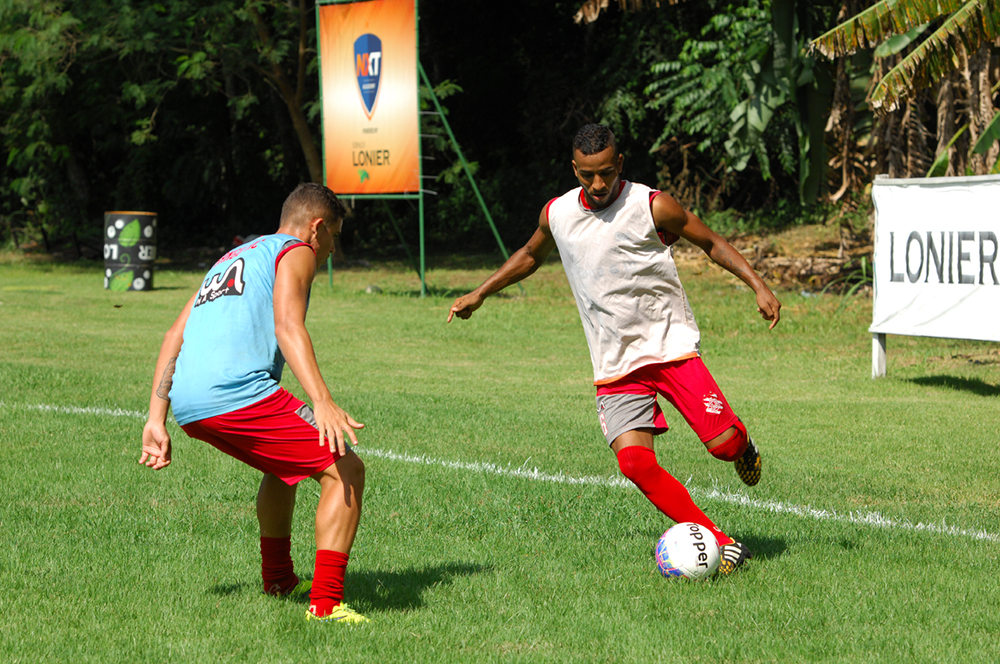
column 368, row 67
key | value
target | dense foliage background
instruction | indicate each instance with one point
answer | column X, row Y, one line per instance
column 207, row 112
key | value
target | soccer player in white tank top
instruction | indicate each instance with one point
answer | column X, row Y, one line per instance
column 614, row 239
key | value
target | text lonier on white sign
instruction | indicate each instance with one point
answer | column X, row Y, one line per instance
column 937, row 258
column 951, row 261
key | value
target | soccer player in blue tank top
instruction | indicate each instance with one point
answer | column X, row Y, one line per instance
column 219, row 367
column 614, row 240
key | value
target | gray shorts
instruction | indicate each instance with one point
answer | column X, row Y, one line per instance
column 619, row 413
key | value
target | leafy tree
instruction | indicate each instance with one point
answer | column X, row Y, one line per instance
column 930, row 54
column 184, row 106
column 37, row 46
column 749, row 85
column 966, row 26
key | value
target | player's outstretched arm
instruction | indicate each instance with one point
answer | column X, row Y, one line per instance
column 291, row 292
column 668, row 215
column 521, row 265
column 155, row 438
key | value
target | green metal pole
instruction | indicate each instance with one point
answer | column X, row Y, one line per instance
column 402, row 239
column 461, row 157
column 423, row 266
column 465, row 164
column 319, row 63
column 420, row 159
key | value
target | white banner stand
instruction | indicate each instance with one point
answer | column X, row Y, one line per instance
column 936, row 260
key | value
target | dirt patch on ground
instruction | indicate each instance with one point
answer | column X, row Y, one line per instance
column 808, row 257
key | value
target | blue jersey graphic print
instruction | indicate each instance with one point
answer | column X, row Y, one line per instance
column 230, row 356
column 219, row 285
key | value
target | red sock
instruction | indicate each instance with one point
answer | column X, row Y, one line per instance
column 732, row 449
column 276, row 565
column 638, row 463
column 328, row 582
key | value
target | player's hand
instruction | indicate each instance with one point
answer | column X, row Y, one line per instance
column 464, row 306
column 155, row 446
column 333, row 423
column 768, row 307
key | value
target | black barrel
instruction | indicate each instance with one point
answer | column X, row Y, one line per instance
column 129, row 250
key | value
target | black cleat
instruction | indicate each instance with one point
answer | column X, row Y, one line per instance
column 733, row 556
column 748, row 465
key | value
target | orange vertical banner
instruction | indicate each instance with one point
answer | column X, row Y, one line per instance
column 371, row 122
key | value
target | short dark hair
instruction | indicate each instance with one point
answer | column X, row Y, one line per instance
column 594, row 138
column 308, row 201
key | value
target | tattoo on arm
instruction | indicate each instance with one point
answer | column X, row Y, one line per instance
column 726, row 259
column 163, row 389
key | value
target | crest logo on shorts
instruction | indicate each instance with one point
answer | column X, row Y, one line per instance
column 713, row 404
column 368, row 68
column 229, row 282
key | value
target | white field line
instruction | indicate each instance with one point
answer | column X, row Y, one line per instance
column 864, row 518
column 857, row 518
column 76, row 410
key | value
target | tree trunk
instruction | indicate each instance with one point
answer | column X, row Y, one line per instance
column 993, row 100
column 918, row 157
column 304, row 134
column 839, row 127
column 977, row 67
column 946, row 122
column 984, row 110
column 293, row 98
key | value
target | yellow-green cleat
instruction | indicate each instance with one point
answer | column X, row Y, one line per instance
column 342, row 613
column 748, row 465
column 300, row 590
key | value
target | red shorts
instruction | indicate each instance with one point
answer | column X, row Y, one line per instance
column 276, row 435
column 686, row 384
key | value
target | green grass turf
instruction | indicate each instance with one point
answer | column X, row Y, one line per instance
column 106, row 561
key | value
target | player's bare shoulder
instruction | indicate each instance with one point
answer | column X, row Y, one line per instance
column 299, row 259
column 668, row 214
column 541, row 242
column 543, row 217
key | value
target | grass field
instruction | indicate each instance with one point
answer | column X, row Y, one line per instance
column 496, row 527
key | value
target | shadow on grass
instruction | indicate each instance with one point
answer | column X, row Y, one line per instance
column 227, row 589
column 973, row 385
column 378, row 589
column 765, row 547
column 384, row 590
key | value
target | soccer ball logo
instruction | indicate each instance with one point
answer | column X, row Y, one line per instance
column 687, row 550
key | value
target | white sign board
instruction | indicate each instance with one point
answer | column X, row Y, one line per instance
column 937, row 258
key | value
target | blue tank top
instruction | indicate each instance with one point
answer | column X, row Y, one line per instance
column 230, row 356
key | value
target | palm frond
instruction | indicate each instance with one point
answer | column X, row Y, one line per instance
column 882, row 21
column 591, row 9
column 967, row 29
column 988, row 137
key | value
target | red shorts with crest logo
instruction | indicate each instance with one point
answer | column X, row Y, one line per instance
column 276, row 435
column 686, row 384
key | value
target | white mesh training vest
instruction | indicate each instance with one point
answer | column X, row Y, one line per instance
column 632, row 305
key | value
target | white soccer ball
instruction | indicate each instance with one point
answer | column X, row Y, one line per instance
column 687, row 550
